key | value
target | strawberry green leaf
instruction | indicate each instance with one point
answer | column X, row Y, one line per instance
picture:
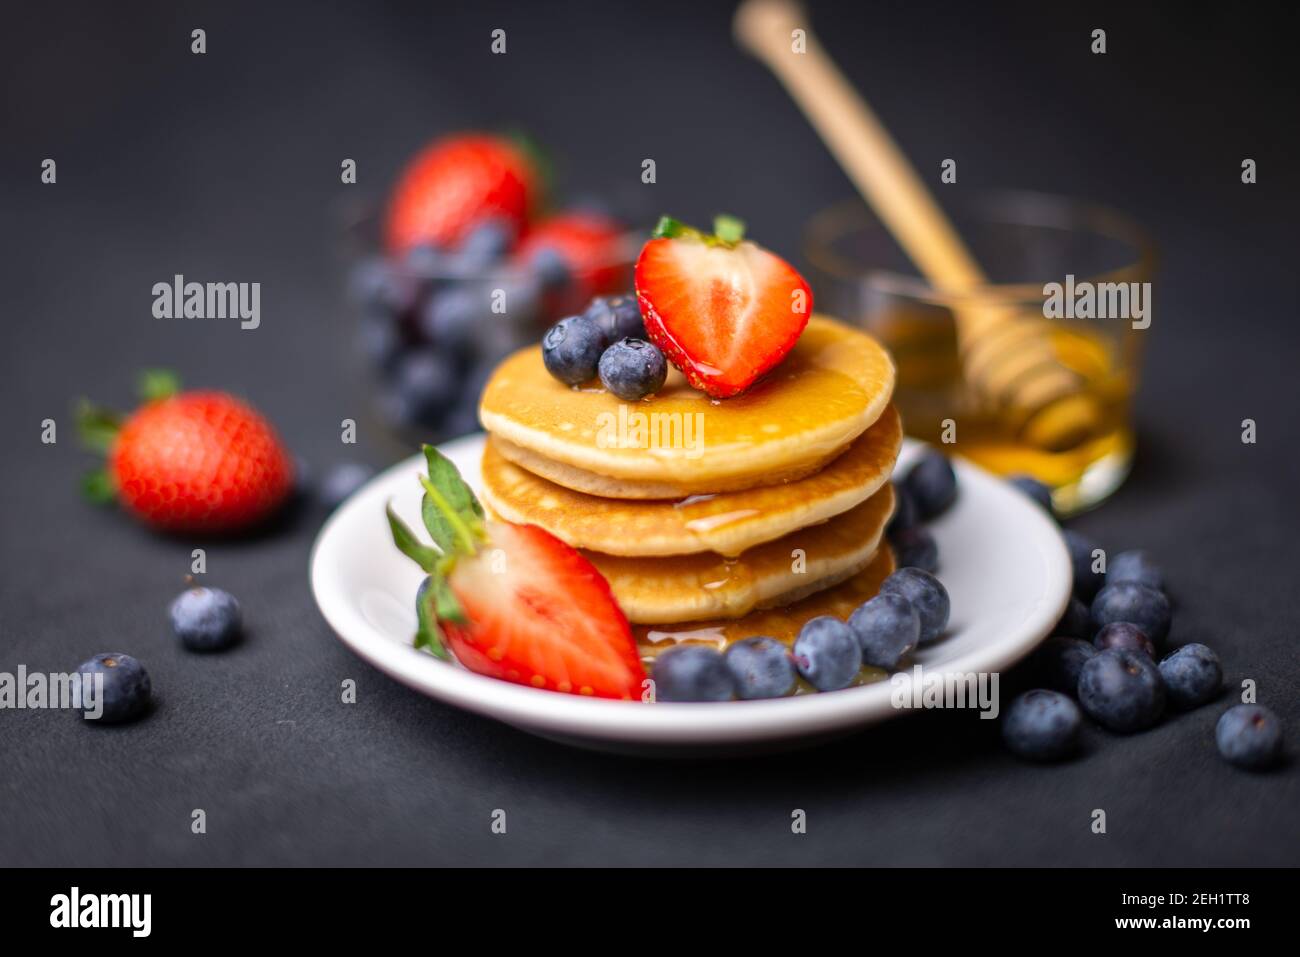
column 450, row 511
column 98, row 487
column 154, row 385
column 410, row 546
column 428, row 602
column 669, row 228
column 447, row 605
column 729, row 229
column 97, row 427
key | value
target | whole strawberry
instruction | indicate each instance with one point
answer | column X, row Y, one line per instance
column 583, row 250
column 456, row 183
column 189, row 461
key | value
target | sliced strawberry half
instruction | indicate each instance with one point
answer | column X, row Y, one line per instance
column 723, row 309
column 540, row 614
column 513, row 601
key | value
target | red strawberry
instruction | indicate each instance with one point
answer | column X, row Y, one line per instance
column 540, row 614
column 722, row 309
column 457, row 182
column 197, row 462
column 590, row 247
column 513, row 601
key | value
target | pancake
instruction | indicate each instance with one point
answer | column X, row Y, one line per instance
column 681, row 588
column 603, row 486
column 832, row 386
column 782, row 623
column 727, row 523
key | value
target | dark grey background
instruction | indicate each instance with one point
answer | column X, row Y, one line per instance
column 225, row 166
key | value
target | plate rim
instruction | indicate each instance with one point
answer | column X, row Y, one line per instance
column 632, row 722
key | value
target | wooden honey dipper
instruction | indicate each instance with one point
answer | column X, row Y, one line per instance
column 1007, row 354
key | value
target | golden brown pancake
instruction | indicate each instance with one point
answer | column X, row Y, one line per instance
column 782, row 623
column 832, row 386
column 679, row 588
column 727, row 523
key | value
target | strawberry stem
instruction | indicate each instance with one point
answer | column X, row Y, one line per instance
column 729, row 229
column 154, row 385
column 97, row 486
column 669, row 228
column 96, row 426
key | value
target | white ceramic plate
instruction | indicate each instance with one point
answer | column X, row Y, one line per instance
column 1001, row 558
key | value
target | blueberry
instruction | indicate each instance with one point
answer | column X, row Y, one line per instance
column 619, row 317
column 340, row 481
column 463, row 416
column 633, row 369
column 1086, row 581
column 454, row 315
column 521, row 305
column 426, row 381
column 761, row 668
column 1121, row 690
column 366, row 280
column 462, row 419
column 1249, row 736
column 424, row 261
column 827, row 653
column 1135, row 566
column 488, row 241
column 1076, row 622
column 377, row 285
column 379, row 339
column 1042, row 726
column 126, row 690
column 571, row 350
column 1192, row 675
column 1060, row 659
column 551, row 269
column 1036, row 490
column 1131, row 602
column 905, row 511
column 1125, row 634
column 932, row 483
column 916, row 548
column 887, row 627
column 206, row 619
column 928, row 597
column 692, row 673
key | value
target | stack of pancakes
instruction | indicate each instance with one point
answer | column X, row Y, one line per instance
column 711, row 519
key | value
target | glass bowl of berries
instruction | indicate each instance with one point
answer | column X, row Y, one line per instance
column 462, row 266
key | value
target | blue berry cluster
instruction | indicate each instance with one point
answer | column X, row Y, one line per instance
column 435, row 322
column 828, row 654
column 1108, row 659
column 911, row 609
column 608, row 341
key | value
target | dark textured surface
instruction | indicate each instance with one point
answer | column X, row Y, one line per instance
column 225, row 166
